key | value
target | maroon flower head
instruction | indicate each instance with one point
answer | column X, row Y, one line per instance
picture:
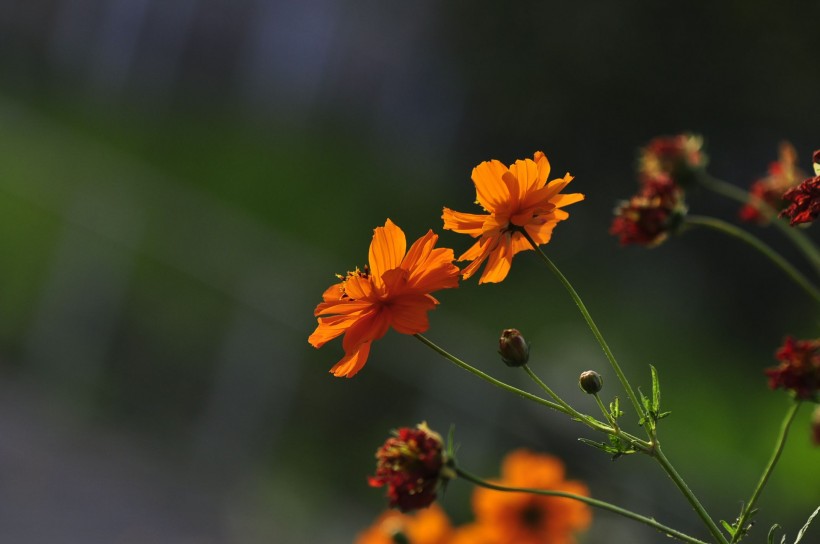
column 648, row 217
column 674, row 156
column 799, row 368
column 412, row 465
column 804, row 200
column 766, row 195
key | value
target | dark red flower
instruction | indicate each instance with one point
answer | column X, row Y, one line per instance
column 766, row 195
column 412, row 465
column 799, row 368
column 648, row 217
column 674, row 156
column 804, row 200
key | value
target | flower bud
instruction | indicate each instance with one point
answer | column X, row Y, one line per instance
column 590, row 382
column 514, row 350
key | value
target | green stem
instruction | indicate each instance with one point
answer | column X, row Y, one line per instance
column 776, row 258
column 642, row 445
column 595, row 331
column 587, row 500
column 486, row 377
column 803, row 243
column 690, row 496
column 778, row 449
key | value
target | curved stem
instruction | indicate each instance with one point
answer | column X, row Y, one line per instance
column 486, row 377
column 590, row 501
column 642, row 445
column 776, row 258
column 690, row 496
column 803, row 243
column 595, row 331
column 778, row 449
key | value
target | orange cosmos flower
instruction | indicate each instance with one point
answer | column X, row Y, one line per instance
column 394, row 291
column 428, row 526
column 516, row 198
column 524, row 518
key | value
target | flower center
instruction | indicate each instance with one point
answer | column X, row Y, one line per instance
column 532, row 516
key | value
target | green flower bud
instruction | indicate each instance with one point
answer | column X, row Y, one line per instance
column 514, row 350
column 590, row 382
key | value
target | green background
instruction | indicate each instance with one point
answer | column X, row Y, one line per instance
column 179, row 183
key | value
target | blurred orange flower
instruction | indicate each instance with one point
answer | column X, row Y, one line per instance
column 524, row 518
column 517, row 197
column 473, row 533
column 428, row 526
column 394, row 291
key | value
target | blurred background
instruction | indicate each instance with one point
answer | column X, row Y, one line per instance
column 180, row 181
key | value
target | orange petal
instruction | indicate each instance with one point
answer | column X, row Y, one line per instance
column 408, row 314
column 369, row 327
column 359, row 288
column 465, row 223
column 499, row 262
column 565, row 200
column 386, row 250
column 343, row 306
column 491, row 190
column 526, row 171
column 352, row 362
column 437, row 272
column 541, row 234
column 329, row 328
column 544, row 194
column 334, row 292
column 543, row 167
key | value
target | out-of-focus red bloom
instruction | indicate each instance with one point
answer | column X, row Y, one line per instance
column 648, row 217
column 799, row 368
column 804, row 200
column 412, row 466
column 676, row 157
column 766, row 194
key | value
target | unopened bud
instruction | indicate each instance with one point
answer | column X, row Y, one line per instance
column 590, row 382
column 514, row 350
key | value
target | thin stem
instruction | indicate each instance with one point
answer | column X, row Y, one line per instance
column 690, row 496
column 606, row 413
column 776, row 258
column 590, row 501
column 484, row 376
column 803, row 243
column 644, row 446
column 595, row 331
column 778, row 449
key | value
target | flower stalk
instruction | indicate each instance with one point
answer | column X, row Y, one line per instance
column 799, row 239
column 764, row 478
column 772, row 255
column 587, row 500
column 595, row 331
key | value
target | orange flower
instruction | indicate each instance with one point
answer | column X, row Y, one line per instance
column 394, row 291
column 473, row 533
column 516, row 198
column 524, row 518
column 428, row 526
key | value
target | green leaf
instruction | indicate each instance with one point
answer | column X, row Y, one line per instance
column 615, row 408
column 656, row 390
column 770, row 538
column 729, row 527
column 599, row 445
column 806, row 526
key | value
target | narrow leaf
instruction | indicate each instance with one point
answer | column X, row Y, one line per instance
column 728, row 526
column 806, row 526
column 770, row 538
column 656, row 390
